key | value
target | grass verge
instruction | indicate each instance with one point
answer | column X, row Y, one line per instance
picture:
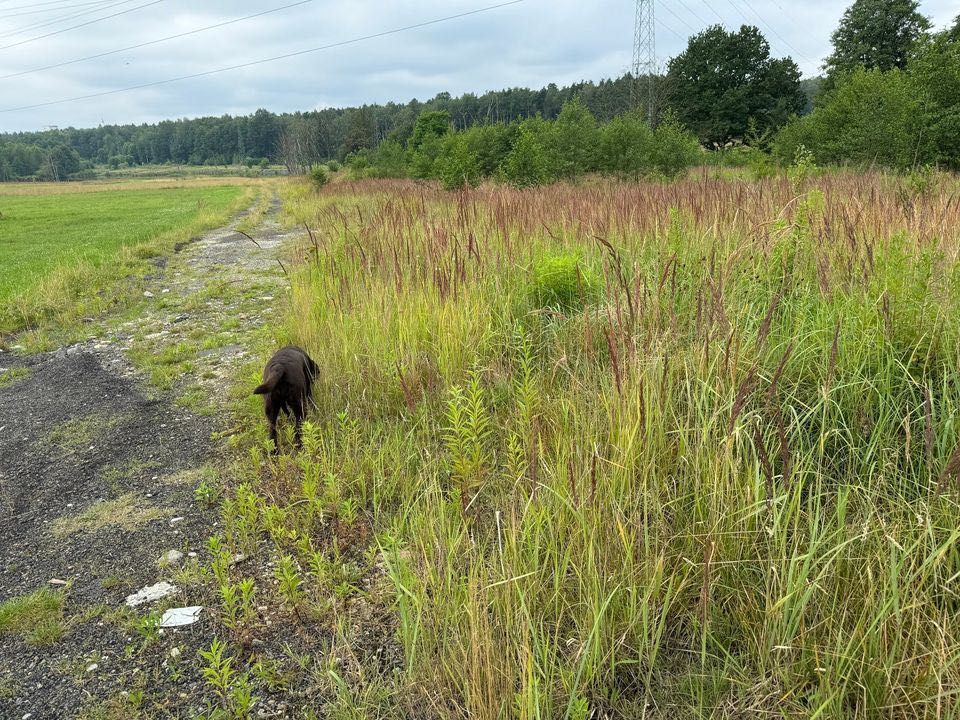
column 714, row 476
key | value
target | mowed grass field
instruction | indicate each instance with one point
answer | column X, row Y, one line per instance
column 653, row 450
column 62, row 244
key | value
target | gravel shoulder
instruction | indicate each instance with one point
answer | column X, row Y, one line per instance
column 103, row 446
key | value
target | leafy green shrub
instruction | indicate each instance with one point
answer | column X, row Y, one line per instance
column 389, row 160
column 456, row 166
column 491, row 144
column 358, row 163
column 871, row 117
column 922, row 181
column 318, row 176
column 573, row 141
column 427, row 141
column 333, row 166
column 626, row 147
column 527, row 165
column 674, row 148
column 562, row 281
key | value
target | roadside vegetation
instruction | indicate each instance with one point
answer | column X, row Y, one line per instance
column 670, row 450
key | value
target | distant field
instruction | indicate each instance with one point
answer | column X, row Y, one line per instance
column 189, row 171
column 60, row 244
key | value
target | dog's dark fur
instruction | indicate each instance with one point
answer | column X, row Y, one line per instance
column 287, row 383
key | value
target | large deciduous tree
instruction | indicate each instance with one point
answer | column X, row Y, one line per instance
column 723, row 79
column 953, row 34
column 876, row 34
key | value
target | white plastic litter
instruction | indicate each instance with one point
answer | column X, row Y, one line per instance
column 176, row 617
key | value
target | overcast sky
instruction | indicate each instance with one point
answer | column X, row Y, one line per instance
column 528, row 44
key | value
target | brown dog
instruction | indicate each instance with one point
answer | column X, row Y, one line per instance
column 287, row 383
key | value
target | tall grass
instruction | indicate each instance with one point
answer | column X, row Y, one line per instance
column 725, row 486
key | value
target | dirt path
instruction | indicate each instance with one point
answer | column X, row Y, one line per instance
column 98, row 476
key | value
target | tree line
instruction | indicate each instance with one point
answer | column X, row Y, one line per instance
column 298, row 139
column 890, row 96
column 533, row 151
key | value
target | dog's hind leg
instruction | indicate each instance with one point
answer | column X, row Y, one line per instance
column 272, row 410
column 297, row 410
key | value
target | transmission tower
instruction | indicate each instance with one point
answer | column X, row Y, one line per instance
column 644, row 58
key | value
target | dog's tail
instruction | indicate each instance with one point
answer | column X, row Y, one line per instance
column 269, row 382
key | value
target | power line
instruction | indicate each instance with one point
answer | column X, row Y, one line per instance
column 670, row 29
column 744, row 16
column 36, row 10
column 251, row 63
column 772, row 29
column 105, row 5
column 83, row 24
column 64, row 4
column 710, row 7
column 694, row 13
column 154, row 42
column 688, row 25
column 46, row 23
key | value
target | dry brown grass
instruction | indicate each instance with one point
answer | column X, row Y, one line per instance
column 92, row 186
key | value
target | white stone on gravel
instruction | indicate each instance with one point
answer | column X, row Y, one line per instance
column 171, row 556
column 177, row 617
column 151, row 593
column 147, row 293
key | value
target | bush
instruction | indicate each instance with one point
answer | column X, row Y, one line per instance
column 427, row 141
column 389, row 160
column 674, row 148
column 358, row 163
column 562, row 281
column 572, row 142
column 318, row 176
column 333, row 166
column 456, row 165
column 871, row 117
column 490, row 144
column 527, row 164
column 626, row 147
